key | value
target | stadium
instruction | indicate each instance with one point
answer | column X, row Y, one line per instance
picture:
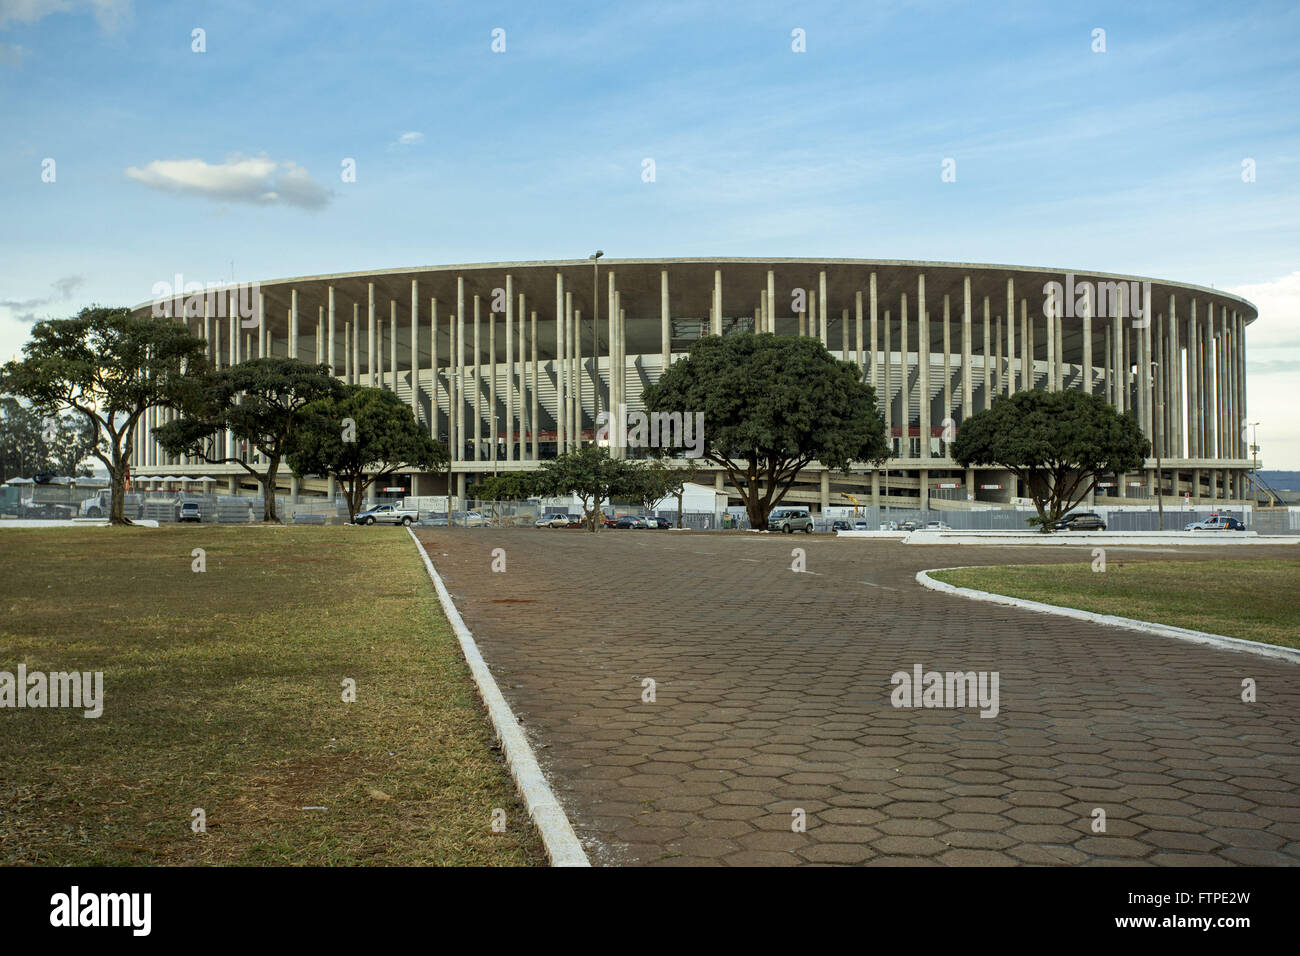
column 512, row 363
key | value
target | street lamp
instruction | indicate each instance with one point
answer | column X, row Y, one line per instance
column 1254, row 458
column 1158, row 430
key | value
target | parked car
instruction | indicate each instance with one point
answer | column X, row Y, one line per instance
column 790, row 520
column 388, row 514
column 860, row 526
column 657, row 522
column 936, row 526
column 436, row 521
column 907, row 526
column 839, row 524
column 1081, row 521
column 1216, row 523
column 190, row 511
column 629, row 521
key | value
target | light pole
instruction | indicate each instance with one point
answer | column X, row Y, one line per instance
column 1158, row 429
column 595, row 325
column 1254, row 459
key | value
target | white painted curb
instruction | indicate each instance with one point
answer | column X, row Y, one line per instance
column 1220, row 641
column 561, row 842
column 1090, row 538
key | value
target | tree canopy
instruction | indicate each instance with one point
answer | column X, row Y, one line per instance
column 32, row 442
column 360, row 437
column 592, row 475
column 260, row 401
column 773, row 404
column 1059, row 444
column 107, row 366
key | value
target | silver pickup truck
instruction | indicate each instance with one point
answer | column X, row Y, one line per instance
column 387, row 514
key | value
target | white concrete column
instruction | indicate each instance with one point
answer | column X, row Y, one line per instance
column 988, row 356
column 392, row 344
column 372, row 343
column 622, row 360
column 476, row 370
column 887, row 381
column 434, row 410
column 347, row 352
column 510, row 368
column 611, row 312
column 534, row 413
column 570, row 385
column 329, row 331
column 293, row 324
column 459, row 352
column 717, row 302
column 1087, row 341
column 526, row 424
column 577, row 378
column 356, row 343
column 947, row 364
column 415, row 352
column 875, row 358
column 1193, row 387
column 857, row 328
column 824, row 306
column 770, row 312
column 967, row 390
column 666, row 322
column 1053, row 385
column 923, row 357
column 261, row 323
column 1011, row 337
column 455, row 446
column 1027, row 376
column 904, row 378
column 1148, row 413
column 493, row 433
column 561, row 419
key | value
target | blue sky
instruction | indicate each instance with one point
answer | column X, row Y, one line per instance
column 1128, row 160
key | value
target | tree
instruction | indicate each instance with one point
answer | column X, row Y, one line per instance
column 1058, row 444
column 676, row 477
column 655, row 479
column 771, row 406
column 360, row 437
column 260, row 401
column 107, row 366
column 512, row 486
column 590, row 474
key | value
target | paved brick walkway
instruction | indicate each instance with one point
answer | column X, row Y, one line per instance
column 773, row 694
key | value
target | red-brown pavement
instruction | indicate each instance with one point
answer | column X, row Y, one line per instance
column 772, row 695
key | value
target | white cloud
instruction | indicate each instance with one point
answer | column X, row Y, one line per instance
column 110, row 13
column 24, row 310
column 1273, row 368
column 409, row 138
column 259, row 179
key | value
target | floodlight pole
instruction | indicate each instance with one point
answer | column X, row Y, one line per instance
column 1159, row 432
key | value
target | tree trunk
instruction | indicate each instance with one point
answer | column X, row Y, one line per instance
column 754, row 509
column 117, row 493
column 268, row 493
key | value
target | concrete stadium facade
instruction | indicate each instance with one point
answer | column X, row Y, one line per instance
column 535, row 351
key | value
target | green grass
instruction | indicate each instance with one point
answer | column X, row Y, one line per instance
column 222, row 690
column 1251, row 600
